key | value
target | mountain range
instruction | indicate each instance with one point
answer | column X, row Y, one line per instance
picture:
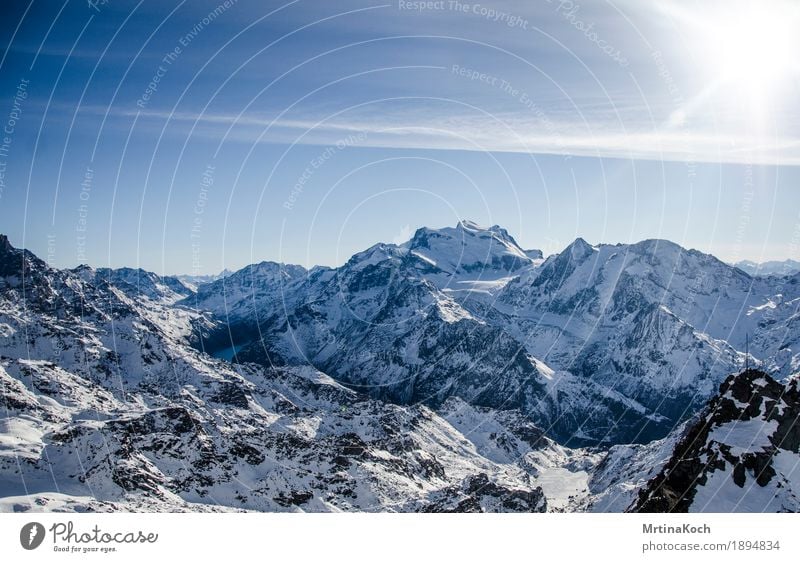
column 782, row 267
column 454, row 372
column 597, row 344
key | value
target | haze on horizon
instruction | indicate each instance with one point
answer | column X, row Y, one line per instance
column 191, row 137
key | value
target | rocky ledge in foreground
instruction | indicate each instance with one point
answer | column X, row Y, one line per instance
column 741, row 455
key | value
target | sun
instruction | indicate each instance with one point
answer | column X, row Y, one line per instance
column 745, row 52
column 753, row 48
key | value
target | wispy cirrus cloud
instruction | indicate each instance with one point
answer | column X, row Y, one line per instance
column 625, row 137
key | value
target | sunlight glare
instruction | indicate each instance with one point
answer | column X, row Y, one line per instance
column 753, row 48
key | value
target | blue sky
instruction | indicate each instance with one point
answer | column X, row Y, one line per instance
column 184, row 137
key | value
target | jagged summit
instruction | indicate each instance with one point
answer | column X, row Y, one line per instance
column 469, row 249
column 15, row 261
column 579, row 249
column 5, row 245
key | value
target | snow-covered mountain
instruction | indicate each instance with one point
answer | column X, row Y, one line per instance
column 138, row 283
column 609, row 343
column 469, row 252
column 783, row 267
column 453, row 372
column 193, row 281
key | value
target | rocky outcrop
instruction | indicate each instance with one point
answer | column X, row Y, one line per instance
column 739, row 455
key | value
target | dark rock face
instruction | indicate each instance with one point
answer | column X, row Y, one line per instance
column 13, row 260
column 750, row 396
column 174, row 420
column 231, row 394
column 476, row 492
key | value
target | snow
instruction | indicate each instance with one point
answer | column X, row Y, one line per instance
column 769, row 305
column 563, row 487
column 121, row 389
column 743, row 436
column 20, row 437
column 721, row 495
column 424, row 258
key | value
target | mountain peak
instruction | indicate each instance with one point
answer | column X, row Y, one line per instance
column 5, row 245
column 377, row 253
column 535, row 254
column 658, row 246
column 579, row 249
column 469, row 248
column 473, row 227
column 263, row 272
column 466, row 227
column 7, row 250
column 14, row 260
column 466, row 224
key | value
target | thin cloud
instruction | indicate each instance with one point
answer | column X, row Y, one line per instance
column 494, row 133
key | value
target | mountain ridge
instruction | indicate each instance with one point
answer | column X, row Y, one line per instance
column 487, row 390
column 380, row 307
